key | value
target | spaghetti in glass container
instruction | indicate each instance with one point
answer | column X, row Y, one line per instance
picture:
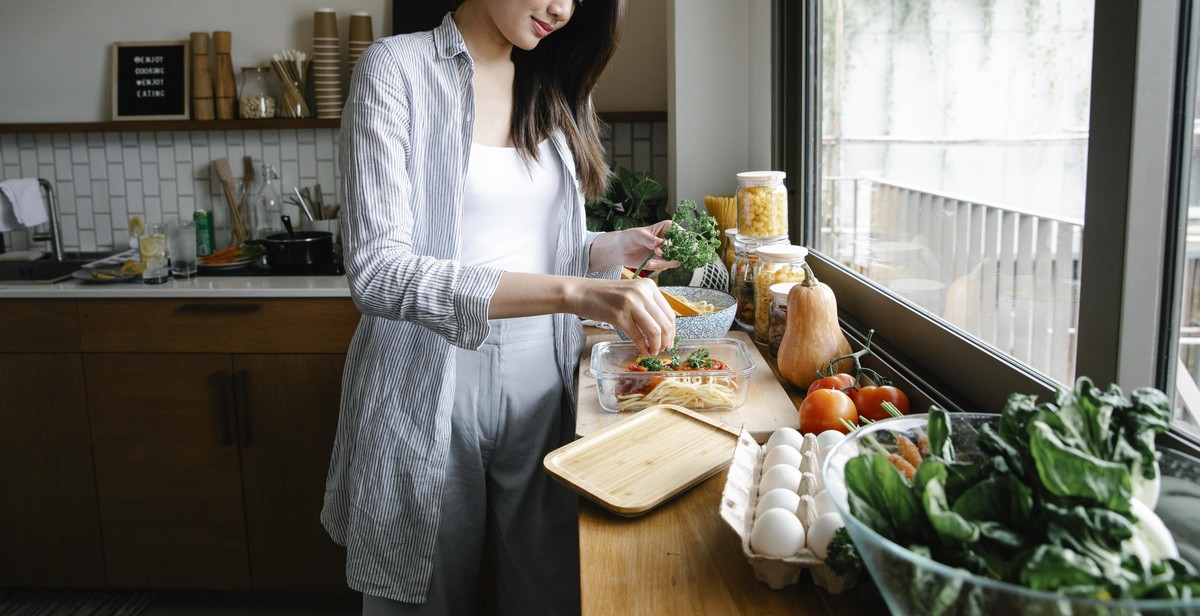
column 701, row 375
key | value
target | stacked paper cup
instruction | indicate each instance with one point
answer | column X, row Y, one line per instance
column 361, row 36
column 326, row 64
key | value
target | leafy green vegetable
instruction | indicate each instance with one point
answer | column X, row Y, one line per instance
column 843, row 557
column 1046, row 505
column 699, row 359
column 653, row 364
column 692, row 240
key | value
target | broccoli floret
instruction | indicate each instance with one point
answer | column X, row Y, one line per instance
column 653, row 364
column 843, row 557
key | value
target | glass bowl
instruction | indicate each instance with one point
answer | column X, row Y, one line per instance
column 712, row 325
column 618, row 388
column 911, row 583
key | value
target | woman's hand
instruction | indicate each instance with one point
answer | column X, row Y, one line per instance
column 636, row 306
column 630, row 247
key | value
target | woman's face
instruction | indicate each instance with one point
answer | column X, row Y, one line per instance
column 526, row 22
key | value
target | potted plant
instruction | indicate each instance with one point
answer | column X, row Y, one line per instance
column 632, row 200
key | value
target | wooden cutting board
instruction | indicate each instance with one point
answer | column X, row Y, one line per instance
column 768, row 406
column 636, row 464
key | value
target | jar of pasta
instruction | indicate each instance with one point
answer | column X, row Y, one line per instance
column 777, row 322
column 762, row 204
column 741, row 275
column 775, row 264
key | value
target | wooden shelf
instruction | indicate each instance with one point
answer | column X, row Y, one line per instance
column 277, row 123
column 168, row 125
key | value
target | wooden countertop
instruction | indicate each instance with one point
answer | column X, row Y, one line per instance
column 682, row 558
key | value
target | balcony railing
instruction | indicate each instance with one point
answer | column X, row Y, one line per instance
column 1009, row 278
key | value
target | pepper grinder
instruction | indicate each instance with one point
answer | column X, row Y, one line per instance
column 202, row 85
column 225, row 87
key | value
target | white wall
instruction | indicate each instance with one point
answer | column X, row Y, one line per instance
column 719, row 93
column 54, row 54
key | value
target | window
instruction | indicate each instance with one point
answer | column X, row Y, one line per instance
column 948, row 158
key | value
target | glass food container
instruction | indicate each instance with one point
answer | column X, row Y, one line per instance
column 762, row 204
column 777, row 322
column 254, row 99
column 775, row 264
column 622, row 390
column 741, row 276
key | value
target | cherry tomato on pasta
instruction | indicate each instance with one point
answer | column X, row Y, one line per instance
column 823, row 409
column 870, row 401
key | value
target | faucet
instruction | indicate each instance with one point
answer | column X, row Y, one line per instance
column 55, row 235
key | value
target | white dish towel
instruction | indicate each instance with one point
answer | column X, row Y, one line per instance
column 21, row 204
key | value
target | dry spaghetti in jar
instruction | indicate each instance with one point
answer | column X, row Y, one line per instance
column 762, row 204
column 775, row 264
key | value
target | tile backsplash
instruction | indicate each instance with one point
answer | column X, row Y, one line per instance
column 101, row 179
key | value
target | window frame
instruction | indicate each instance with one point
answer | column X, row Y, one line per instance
column 1135, row 195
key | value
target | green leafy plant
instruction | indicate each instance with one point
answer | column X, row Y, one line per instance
column 632, row 200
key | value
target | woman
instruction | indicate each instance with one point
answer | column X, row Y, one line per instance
column 466, row 154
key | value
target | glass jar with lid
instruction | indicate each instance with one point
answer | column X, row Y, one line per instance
column 778, row 318
column 775, row 264
column 254, row 99
column 762, row 204
column 741, row 275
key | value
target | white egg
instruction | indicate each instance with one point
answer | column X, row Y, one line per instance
column 777, row 532
column 824, row 503
column 779, row 476
column 779, row 498
column 829, row 438
column 821, row 532
column 784, row 436
column 782, row 454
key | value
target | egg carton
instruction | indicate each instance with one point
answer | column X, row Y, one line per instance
column 738, row 501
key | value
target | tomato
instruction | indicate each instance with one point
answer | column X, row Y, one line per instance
column 840, row 380
column 824, row 408
column 871, row 398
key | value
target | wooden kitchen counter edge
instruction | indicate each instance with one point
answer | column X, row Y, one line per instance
column 682, row 558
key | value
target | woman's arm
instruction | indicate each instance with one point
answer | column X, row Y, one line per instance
column 632, row 305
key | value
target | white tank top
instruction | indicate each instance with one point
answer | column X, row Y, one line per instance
column 511, row 211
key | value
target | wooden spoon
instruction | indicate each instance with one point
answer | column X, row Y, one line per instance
column 681, row 308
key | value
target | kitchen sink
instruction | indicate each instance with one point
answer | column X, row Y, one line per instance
column 43, row 271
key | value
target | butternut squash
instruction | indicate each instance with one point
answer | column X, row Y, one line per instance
column 813, row 337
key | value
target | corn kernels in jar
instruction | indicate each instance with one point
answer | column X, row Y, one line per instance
column 762, row 204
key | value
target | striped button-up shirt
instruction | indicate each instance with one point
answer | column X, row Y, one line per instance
column 405, row 142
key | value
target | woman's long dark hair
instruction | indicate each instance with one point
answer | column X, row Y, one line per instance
column 553, row 88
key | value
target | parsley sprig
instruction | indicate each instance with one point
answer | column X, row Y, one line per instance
column 692, row 239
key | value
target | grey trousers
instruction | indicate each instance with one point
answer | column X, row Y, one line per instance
column 510, row 410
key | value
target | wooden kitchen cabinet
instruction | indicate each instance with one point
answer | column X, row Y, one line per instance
column 49, row 521
column 168, row 471
column 213, row 424
column 286, row 442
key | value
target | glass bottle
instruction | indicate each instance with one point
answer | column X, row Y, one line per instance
column 778, row 319
column 741, row 277
column 775, row 264
column 254, row 99
column 268, row 205
column 762, row 204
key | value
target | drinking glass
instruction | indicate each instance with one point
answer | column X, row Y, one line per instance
column 181, row 248
column 153, row 248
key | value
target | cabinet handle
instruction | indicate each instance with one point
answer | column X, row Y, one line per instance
column 241, row 381
column 220, row 308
